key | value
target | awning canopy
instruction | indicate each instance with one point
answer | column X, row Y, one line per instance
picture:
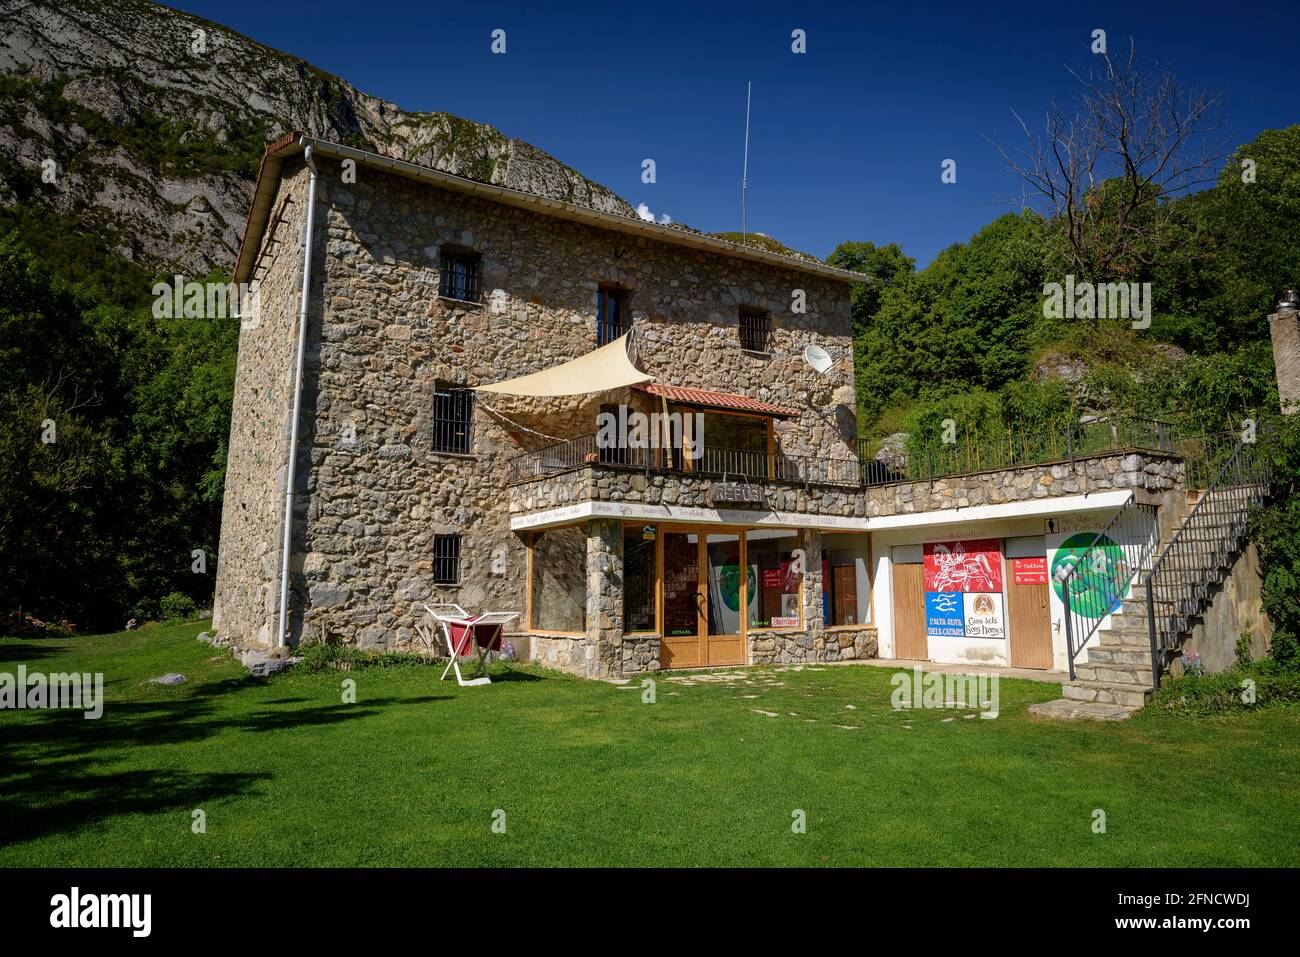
column 609, row 367
column 706, row 399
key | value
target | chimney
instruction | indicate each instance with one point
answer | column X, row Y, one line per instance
column 1284, row 326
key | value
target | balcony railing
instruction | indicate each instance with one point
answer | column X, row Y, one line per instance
column 713, row 462
column 972, row 453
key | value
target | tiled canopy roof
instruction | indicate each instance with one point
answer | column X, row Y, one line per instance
column 716, row 400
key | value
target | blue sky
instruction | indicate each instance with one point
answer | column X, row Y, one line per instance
column 846, row 140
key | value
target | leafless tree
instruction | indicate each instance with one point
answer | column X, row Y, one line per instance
column 1105, row 171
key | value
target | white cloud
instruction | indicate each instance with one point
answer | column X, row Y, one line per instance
column 643, row 211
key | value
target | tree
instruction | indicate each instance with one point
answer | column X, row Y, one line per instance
column 1104, row 174
column 883, row 264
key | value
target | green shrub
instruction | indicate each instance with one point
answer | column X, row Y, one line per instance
column 333, row 656
column 1200, row 692
column 174, row 606
column 1244, row 657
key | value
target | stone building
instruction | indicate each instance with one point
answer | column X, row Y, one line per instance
column 422, row 286
column 642, row 440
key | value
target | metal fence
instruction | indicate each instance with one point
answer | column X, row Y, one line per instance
column 1199, row 555
column 1017, row 448
column 712, row 462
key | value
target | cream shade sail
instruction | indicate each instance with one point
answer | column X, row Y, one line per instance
column 608, row 367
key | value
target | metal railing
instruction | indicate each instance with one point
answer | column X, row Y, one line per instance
column 1095, row 585
column 749, row 464
column 972, row 453
column 1200, row 554
column 1019, row 448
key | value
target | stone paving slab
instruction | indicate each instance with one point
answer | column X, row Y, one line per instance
column 1073, row 710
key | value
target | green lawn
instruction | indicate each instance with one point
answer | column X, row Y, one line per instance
column 586, row 773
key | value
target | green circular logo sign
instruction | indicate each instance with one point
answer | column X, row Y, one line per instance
column 1098, row 590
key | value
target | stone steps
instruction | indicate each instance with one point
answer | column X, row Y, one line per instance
column 1115, row 673
column 1126, row 654
column 1107, row 692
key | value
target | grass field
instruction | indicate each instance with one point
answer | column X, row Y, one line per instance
column 286, row 774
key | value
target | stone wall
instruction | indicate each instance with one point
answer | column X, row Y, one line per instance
column 380, row 339
column 246, row 602
column 1236, row 608
column 1284, row 327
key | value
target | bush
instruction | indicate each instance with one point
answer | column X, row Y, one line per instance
column 1200, row 692
column 333, row 656
column 146, row 609
column 175, row 605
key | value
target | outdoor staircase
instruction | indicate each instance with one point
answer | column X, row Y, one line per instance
column 1178, row 578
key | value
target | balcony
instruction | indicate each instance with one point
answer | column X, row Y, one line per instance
column 720, row 464
column 971, row 454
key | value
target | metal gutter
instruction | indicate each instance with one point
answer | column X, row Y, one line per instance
column 291, row 467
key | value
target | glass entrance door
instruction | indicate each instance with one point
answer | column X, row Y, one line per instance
column 703, row 599
column 683, row 601
column 726, row 592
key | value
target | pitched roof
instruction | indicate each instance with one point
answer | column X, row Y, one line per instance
column 716, row 400
column 293, row 144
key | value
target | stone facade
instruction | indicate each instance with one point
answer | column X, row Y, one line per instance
column 1284, row 328
column 372, row 491
column 247, row 597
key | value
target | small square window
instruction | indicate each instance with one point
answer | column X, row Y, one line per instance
column 453, row 420
column 460, row 276
column 755, row 327
column 446, row 559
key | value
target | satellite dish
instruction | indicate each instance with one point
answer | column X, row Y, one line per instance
column 818, row 358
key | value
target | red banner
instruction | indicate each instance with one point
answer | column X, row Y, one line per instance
column 1030, row 571
column 967, row 566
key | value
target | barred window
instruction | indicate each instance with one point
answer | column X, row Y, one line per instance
column 453, row 420
column 460, row 276
column 611, row 314
column 754, row 329
column 446, row 559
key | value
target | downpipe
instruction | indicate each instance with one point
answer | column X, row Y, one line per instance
column 291, row 467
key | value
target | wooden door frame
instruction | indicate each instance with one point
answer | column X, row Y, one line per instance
column 702, row 530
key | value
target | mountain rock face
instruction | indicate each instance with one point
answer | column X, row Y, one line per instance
column 152, row 122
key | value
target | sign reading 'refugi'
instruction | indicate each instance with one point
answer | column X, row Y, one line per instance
column 735, row 492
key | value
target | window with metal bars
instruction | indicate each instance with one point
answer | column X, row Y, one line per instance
column 755, row 327
column 612, row 319
column 460, row 276
column 453, row 420
column 446, row 559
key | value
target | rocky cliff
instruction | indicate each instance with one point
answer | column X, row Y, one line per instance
column 155, row 121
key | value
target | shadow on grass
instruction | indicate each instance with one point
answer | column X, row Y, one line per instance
column 509, row 674
column 24, row 651
column 48, row 776
column 63, row 797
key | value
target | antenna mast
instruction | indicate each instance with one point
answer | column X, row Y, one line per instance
column 744, row 176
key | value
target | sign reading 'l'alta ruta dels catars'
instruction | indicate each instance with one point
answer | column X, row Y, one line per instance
column 963, row 589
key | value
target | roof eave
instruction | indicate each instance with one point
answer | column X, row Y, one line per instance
column 293, row 143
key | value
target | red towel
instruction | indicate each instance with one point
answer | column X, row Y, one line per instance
column 465, row 636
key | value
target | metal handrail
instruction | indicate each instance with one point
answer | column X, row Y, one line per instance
column 1020, row 449
column 1101, row 582
column 1204, row 546
column 585, row 450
